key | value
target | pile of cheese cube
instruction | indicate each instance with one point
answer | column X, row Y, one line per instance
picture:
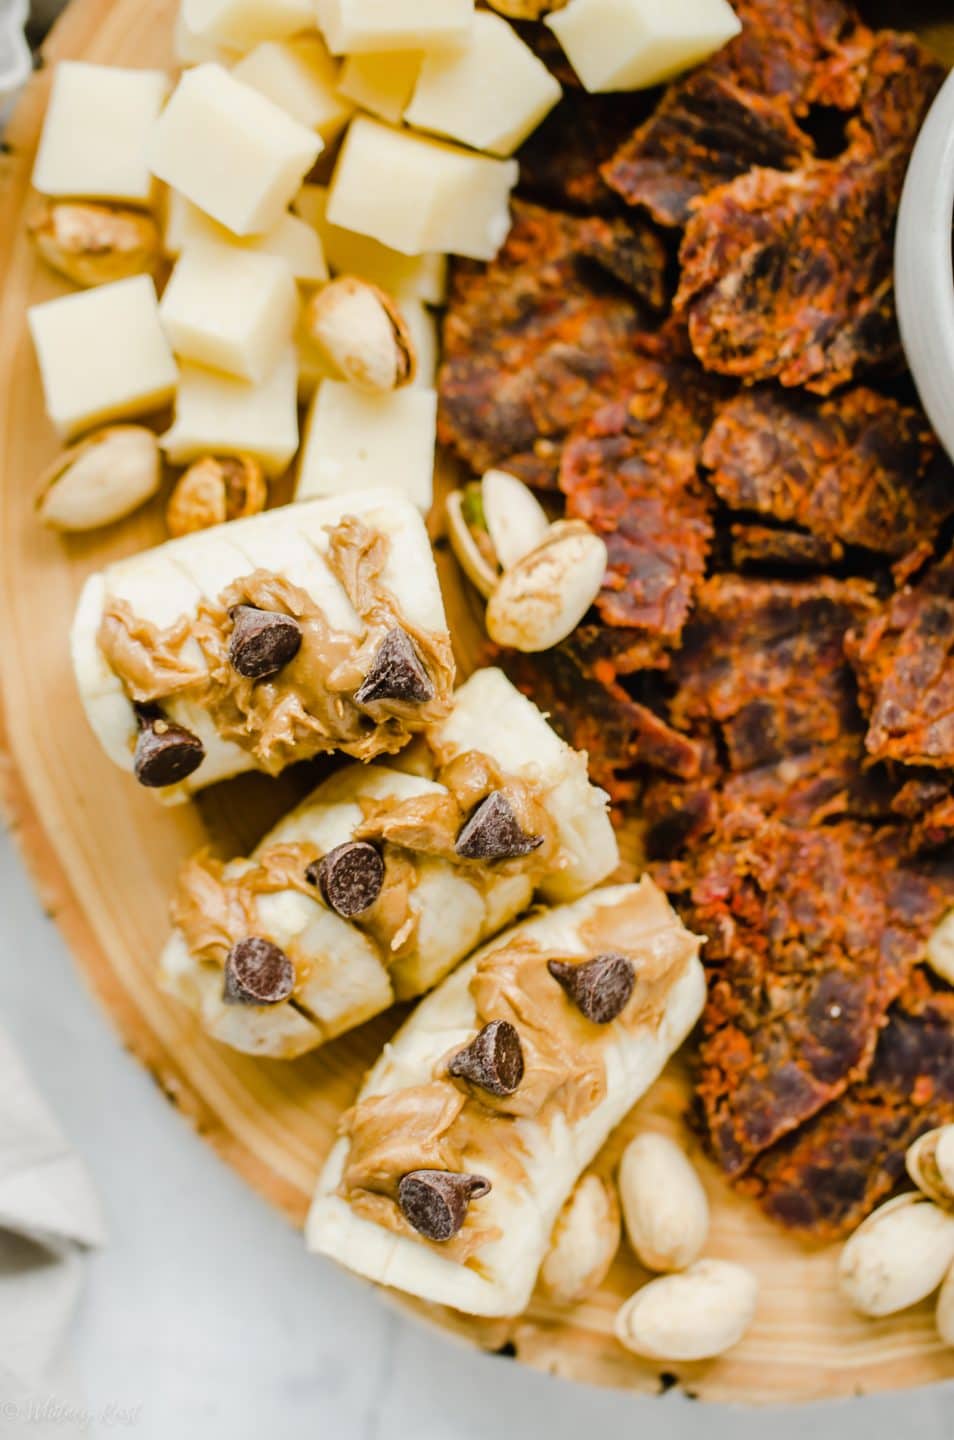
column 225, row 157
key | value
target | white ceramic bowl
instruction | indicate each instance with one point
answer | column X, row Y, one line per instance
column 924, row 265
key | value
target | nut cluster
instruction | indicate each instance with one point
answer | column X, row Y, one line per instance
column 539, row 578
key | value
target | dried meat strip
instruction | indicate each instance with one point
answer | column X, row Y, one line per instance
column 737, row 111
column 826, row 1178
column 765, row 661
column 535, row 341
column 904, row 657
column 812, row 933
column 857, row 469
column 631, row 472
column 901, row 78
column 706, row 130
column 788, row 274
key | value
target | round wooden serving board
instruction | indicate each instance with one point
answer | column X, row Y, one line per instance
column 104, row 856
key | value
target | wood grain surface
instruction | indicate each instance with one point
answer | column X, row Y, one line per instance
column 104, row 856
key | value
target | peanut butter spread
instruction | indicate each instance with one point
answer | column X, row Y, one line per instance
column 449, row 1124
column 215, row 903
column 215, row 906
column 308, row 707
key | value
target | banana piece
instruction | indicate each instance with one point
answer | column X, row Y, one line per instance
column 517, row 1217
column 349, row 976
column 163, row 584
column 490, row 714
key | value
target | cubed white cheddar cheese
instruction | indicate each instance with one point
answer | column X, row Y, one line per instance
column 190, row 49
column 416, row 195
column 230, row 309
column 103, row 354
column 231, row 151
column 631, row 44
column 490, row 94
column 244, row 23
column 423, row 327
column 292, row 240
column 381, row 84
column 301, row 77
column 96, row 135
column 354, row 26
column 356, row 441
column 422, row 276
column 216, row 415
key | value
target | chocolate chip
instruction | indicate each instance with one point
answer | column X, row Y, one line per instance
column 493, row 1060
column 257, row 973
column 165, row 753
column 263, row 641
column 493, row 832
column 600, row 988
column 349, row 877
column 435, row 1201
column 396, row 673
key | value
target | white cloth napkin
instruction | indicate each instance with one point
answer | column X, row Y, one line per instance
column 49, row 1214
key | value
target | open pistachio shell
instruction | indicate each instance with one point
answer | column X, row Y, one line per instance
column 475, row 566
column 930, row 1163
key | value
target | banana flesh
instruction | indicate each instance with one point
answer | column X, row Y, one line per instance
column 554, row 1148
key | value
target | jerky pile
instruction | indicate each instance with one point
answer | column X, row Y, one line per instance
column 689, row 341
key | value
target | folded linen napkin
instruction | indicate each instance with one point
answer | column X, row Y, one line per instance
column 49, row 1214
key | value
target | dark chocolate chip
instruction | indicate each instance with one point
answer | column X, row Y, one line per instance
column 396, row 673
column 493, row 1060
column 493, row 832
column 435, row 1201
column 600, row 988
column 349, row 877
column 263, row 641
column 257, row 973
column 165, row 753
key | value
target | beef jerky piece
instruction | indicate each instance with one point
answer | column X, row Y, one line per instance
column 826, row 783
column 560, row 162
column 616, row 731
column 928, row 802
column 812, row 935
column 737, row 111
column 765, row 661
column 678, row 815
column 706, row 131
column 538, row 339
column 810, row 52
column 631, row 474
column 858, row 469
column 904, row 658
column 788, row 275
column 753, row 546
column 823, row 1180
column 901, row 79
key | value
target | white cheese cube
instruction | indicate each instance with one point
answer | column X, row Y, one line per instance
column 232, row 152
column 301, row 77
column 422, row 324
column 95, row 141
column 244, row 23
column 103, row 354
column 382, row 84
column 631, row 44
column 190, row 49
column 354, row 26
column 491, row 94
column 357, row 441
column 416, row 195
column 216, row 415
column 230, row 309
column 292, row 239
column 422, row 276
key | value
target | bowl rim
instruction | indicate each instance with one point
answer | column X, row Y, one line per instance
column 924, row 264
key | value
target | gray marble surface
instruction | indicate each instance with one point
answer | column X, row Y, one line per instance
column 205, row 1318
